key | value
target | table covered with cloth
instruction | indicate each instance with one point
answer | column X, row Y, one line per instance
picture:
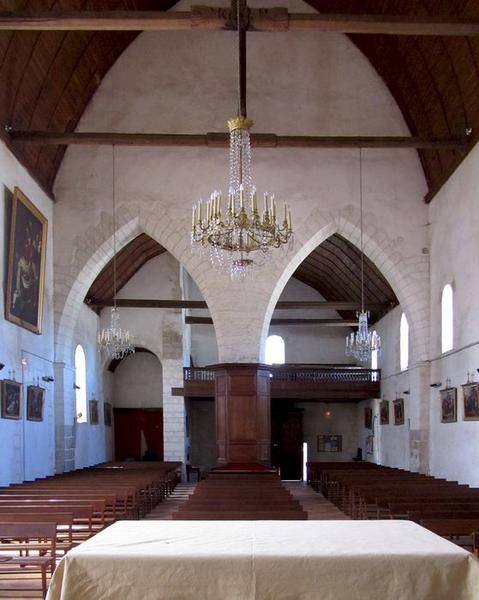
column 266, row 560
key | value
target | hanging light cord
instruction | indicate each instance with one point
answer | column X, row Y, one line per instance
column 114, row 223
column 241, row 61
column 361, row 224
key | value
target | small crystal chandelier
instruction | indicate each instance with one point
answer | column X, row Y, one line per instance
column 362, row 343
column 114, row 340
column 232, row 231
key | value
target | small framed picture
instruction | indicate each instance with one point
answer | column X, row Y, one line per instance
column 94, row 412
column 384, row 412
column 11, row 399
column 368, row 417
column 470, row 393
column 107, row 414
column 448, row 405
column 35, row 399
column 399, row 411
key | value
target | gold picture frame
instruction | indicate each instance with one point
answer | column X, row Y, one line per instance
column 470, row 395
column 448, row 405
column 26, row 264
column 11, row 399
column 35, row 403
column 398, row 405
column 384, row 412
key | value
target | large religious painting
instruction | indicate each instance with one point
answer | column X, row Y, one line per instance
column 94, row 412
column 26, row 264
column 107, row 414
column 35, row 398
column 448, row 405
column 11, row 399
column 470, row 392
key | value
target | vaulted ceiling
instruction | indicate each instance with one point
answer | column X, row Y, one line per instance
column 333, row 269
column 47, row 78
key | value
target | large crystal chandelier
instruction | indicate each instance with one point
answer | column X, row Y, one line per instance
column 113, row 340
column 362, row 343
column 237, row 233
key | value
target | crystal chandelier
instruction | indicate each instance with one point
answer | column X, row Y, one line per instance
column 231, row 231
column 362, row 343
column 114, row 340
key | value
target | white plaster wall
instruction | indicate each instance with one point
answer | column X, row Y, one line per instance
column 342, row 421
column 138, row 382
column 454, row 217
column 309, row 343
column 152, row 88
column 28, row 448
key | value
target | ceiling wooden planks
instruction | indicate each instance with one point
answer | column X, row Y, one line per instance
column 48, row 78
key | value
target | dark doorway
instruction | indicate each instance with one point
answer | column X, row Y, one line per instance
column 286, row 441
column 129, row 423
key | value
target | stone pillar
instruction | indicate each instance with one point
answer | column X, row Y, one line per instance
column 173, row 406
column 419, row 406
column 243, row 413
column 64, row 418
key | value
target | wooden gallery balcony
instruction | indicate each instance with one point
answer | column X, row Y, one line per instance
column 301, row 382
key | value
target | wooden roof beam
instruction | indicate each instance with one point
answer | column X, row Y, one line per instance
column 219, row 18
column 309, row 322
column 201, row 304
column 221, row 140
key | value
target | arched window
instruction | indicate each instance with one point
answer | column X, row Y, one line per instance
column 404, row 343
column 80, row 385
column 374, row 363
column 447, row 319
column 274, row 351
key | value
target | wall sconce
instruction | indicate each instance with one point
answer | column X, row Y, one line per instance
column 436, row 384
column 328, row 413
column 407, row 392
column 76, row 387
column 48, row 378
column 1, row 366
column 24, row 362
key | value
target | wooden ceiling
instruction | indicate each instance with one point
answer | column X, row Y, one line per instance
column 47, row 78
column 334, row 270
column 129, row 260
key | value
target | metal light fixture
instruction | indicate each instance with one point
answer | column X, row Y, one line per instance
column 114, row 340
column 362, row 343
column 236, row 233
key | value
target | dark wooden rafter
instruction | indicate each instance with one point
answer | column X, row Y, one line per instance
column 221, row 140
column 264, row 20
column 321, row 322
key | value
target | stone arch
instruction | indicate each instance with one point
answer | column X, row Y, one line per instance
column 93, row 249
column 401, row 272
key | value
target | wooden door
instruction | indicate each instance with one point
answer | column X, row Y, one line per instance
column 287, row 442
column 129, row 423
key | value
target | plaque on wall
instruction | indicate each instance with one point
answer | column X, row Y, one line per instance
column 330, row 443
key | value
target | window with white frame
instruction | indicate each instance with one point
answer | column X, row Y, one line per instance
column 404, row 343
column 274, row 350
column 80, row 385
column 374, row 363
column 447, row 319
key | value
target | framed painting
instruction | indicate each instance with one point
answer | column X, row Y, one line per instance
column 26, row 264
column 384, row 412
column 368, row 417
column 107, row 414
column 448, row 405
column 11, row 399
column 470, row 394
column 94, row 412
column 399, row 411
column 330, row 443
column 35, row 399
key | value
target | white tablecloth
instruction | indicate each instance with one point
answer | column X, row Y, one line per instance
column 266, row 560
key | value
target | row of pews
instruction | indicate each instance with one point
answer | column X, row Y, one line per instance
column 241, row 496
column 41, row 520
column 370, row 491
